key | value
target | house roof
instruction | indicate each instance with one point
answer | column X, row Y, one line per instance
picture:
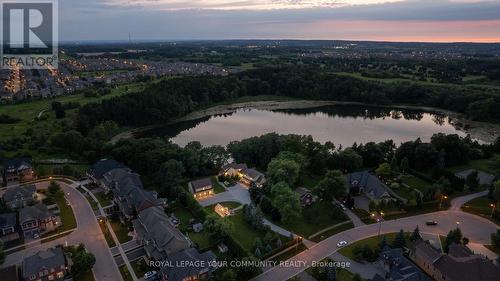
column 254, row 174
column 426, row 251
column 35, row 212
column 190, row 256
column 301, row 191
column 235, row 166
column 9, row 273
column 484, row 178
column 8, row 220
column 103, row 166
column 155, row 225
column 50, row 258
column 201, row 183
column 474, row 267
column 19, row 192
column 401, row 268
column 17, row 163
column 370, row 183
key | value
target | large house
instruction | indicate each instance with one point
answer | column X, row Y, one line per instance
column 45, row 265
column 305, row 196
column 157, row 233
column 367, row 184
column 398, row 267
column 460, row 264
column 8, row 223
column 20, row 196
column 248, row 176
column 37, row 219
column 100, row 168
column 201, row 188
column 482, row 177
column 19, row 169
column 128, row 192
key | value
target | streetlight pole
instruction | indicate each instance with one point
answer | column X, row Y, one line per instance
column 379, row 220
column 441, row 200
column 493, row 206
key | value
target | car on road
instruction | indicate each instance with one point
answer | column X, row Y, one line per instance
column 431, row 222
column 150, row 275
column 342, row 244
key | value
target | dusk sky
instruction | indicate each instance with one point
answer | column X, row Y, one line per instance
column 383, row 20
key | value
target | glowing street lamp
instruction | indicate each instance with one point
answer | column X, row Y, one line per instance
column 493, row 206
column 441, row 200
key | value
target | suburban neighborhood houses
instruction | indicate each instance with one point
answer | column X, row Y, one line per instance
column 230, row 212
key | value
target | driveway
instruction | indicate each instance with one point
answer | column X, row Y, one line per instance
column 87, row 232
column 237, row 193
column 477, row 229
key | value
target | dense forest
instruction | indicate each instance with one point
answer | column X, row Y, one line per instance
column 173, row 98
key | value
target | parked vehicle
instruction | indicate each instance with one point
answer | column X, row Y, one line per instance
column 342, row 244
column 150, row 275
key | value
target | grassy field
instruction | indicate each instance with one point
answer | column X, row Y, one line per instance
column 67, row 215
column 481, row 207
column 107, row 235
column 332, row 232
column 372, row 242
column 104, row 199
column 491, row 165
column 415, row 182
column 314, row 218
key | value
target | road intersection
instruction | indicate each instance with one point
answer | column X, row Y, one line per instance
column 476, row 228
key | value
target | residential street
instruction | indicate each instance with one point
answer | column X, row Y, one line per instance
column 477, row 229
column 87, row 232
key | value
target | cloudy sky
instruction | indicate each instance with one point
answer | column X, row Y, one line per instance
column 384, row 20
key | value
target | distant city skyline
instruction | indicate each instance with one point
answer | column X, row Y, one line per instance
column 370, row 20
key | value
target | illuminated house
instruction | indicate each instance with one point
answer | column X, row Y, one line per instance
column 201, row 188
column 222, row 211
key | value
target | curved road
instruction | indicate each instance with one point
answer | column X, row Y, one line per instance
column 87, row 232
column 477, row 229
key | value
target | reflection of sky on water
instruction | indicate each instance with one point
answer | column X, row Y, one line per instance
column 245, row 123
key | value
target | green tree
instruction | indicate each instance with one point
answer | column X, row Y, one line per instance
column 348, row 160
column 283, row 170
column 54, row 189
column 415, row 235
column 331, row 186
column 454, row 236
column 82, row 262
column 169, row 177
column 286, row 201
column 217, row 227
column 495, row 240
column 399, row 240
column 228, row 275
column 383, row 170
column 2, row 253
column 404, row 165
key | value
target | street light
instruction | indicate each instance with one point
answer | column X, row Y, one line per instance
column 493, row 206
column 441, row 200
column 379, row 220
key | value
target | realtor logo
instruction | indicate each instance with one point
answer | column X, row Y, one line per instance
column 29, row 34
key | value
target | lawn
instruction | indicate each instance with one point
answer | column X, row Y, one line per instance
column 217, row 187
column 332, row 232
column 107, row 235
column 491, row 165
column 372, row 242
column 125, row 273
column 104, row 199
column 291, row 253
column 364, row 216
column 87, row 276
column 415, row 182
column 66, row 214
column 202, row 239
column 140, row 267
column 120, row 230
column 481, row 207
column 184, row 215
column 314, row 218
column 342, row 273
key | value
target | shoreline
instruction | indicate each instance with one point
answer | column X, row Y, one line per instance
column 482, row 131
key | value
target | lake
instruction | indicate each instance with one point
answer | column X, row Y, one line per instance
column 340, row 124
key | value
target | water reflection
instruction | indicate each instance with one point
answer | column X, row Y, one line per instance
column 341, row 124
